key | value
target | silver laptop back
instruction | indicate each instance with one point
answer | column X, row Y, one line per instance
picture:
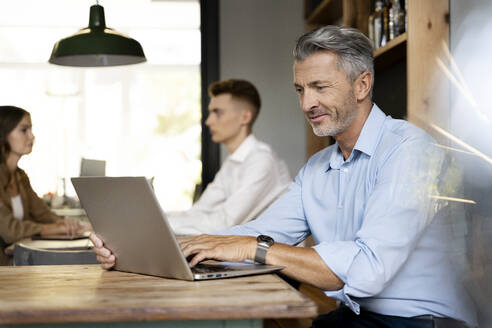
column 113, row 206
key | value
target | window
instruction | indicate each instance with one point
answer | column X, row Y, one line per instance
column 144, row 119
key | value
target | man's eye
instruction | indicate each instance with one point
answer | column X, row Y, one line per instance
column 299, row 91
column 320, row 88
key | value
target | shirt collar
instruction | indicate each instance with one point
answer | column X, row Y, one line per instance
column 368, row 138
column 367, row 141
column 240, row 154
column 336, row 158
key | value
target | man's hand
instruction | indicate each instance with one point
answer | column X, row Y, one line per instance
column 300, row 263
column 104, row 255
column 221, row 248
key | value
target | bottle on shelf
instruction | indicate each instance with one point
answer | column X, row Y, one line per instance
column 370, row 30
column 397, row 20
column 379, row 39
column 391, row 23
column 386, row 31
column 406, row 16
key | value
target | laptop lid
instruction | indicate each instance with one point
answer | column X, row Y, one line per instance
column 92, row 168
column 126, row 214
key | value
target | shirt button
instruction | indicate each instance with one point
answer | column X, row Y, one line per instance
column 345, row 170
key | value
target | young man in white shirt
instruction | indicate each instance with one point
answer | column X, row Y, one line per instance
column 250, row 179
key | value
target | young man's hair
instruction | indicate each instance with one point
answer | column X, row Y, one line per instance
column 239, row 89
column 353, row 48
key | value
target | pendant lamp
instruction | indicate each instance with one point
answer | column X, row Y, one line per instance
column 97, row 45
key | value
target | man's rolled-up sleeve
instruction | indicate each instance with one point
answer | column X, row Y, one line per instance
column 345, row 253
column 396, row 214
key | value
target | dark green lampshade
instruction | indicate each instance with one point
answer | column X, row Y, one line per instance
column 97, row 45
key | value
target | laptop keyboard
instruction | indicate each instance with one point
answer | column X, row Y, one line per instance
column 207, row 268
column 212, row 268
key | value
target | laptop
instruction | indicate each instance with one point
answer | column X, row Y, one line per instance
column 92, row 168
column 126, row 214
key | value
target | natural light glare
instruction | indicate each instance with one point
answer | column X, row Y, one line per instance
column 144, row 119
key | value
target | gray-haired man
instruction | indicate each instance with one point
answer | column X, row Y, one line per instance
column 364, row 200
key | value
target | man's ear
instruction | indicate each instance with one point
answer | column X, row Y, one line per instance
column 362, row 86
column 246, row 116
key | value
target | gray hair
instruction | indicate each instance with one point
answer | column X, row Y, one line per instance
column 353, row 48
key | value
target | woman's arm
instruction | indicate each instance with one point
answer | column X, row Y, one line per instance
column 12, row 229
column 38, row 211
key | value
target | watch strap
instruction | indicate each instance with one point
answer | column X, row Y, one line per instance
column 261, row 252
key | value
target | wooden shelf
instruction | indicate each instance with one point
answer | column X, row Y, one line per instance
column 392, row 52
column 402, row 38
column 328, row 11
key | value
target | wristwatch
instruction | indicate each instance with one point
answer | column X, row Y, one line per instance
column 264, row 243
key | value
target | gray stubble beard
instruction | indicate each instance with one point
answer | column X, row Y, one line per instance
column 341, row 123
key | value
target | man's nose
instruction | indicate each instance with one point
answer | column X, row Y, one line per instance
column 309, row 101
column 208, row 120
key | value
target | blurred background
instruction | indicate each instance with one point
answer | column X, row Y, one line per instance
column 141, row 119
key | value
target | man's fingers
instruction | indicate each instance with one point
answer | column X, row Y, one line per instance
column 102, row 259
column 95, row 240
column 105, row 252
column 187, row 249
column 103, row 255
column 106, row 259
column 199, row 257
column 102, row 251
column 98, row 251
column 107, row 266
column 194, row 247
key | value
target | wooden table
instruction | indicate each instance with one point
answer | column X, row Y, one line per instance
column 75, row 295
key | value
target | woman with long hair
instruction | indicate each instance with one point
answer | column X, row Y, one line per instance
column 22, row 213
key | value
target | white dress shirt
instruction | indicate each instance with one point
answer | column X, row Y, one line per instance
column 249, row 180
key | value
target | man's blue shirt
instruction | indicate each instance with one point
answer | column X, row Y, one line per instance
column 372, row 222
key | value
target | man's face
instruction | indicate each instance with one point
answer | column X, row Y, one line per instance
column 225, row 118
column 325, row 94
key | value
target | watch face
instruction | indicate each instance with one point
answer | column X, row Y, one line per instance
column 265, row 239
